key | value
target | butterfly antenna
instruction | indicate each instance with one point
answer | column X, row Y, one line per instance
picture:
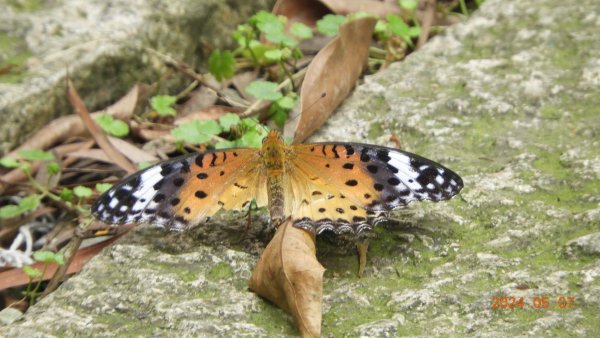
column 292, row 118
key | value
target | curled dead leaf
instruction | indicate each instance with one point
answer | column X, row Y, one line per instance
column 289, row 275
column 333, row 72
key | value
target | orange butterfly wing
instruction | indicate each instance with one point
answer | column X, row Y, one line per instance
column 348, row 186
column 184, row 191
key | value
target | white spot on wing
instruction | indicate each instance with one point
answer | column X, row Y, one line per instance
column 406, row 173
column 146, row 188
column 439, row 179
column 113, row 203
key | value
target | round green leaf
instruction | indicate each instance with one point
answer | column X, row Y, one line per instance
column 102, row 187
column 221, row 65
column 274, row 54
column 49, row 257
column 196, row 132
column 36, row 155
column 301, row 30
column 264, row 90
column 82, row 192
column 10, row 211
column 32, row 272
column 228, row 120
column 9, row 162
column 330, row 24
column 162, row 105
column 410, row 5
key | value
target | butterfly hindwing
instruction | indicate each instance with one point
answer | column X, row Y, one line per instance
column 374, row 179
column 182, row 192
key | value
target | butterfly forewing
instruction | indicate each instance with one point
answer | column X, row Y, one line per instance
column 182, row 192
column 376, row 179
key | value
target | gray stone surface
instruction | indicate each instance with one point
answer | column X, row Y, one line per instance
column 101, row 45
column 510, row 101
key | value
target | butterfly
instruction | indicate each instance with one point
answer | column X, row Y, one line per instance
column 343, row 187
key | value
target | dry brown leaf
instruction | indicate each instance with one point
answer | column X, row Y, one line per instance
column 305, row 11
column 241, row 80
column 208, row 113
column 289, row 275
column 97, row 133
column 377, row 8
column 333, row 72
column 66, row 127
column 198, row 99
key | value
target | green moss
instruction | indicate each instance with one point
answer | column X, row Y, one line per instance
column 25, row 5
column 273, row 319
column 15, row 53
column 375, row 131
column 220, row 271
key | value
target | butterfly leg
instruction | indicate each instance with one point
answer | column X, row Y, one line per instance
column 362, row 247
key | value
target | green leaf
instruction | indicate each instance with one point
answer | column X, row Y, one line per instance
column 399, row 27
column 330, row 24
column 112, row 126
column 279, row 117
column 224, row 144
column 251, row 139
column 281, row 37
column 36, row 155
column 249, row 123
column 267, row 22
column 102, row 187
column 286, row 102
column 66, row 194
column 82, row 192
column 9, row 162
column 410, row 5
column 264, row 90
column 162, row 105
column 414, row 32
column 228, row 120
column 301, row 30
column 144, row 165
column 221, row 65
column 53, row 168
column 381, row 29
column 31, row 272
column 196, row 131
column 49, row 257
column 29, row 203
column 10, row 211
column 274, row 55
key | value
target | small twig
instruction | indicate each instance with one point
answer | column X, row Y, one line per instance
column 71, row 249
column 97, row 134
column 251, row 110
column 428, row 17
column 187, row 70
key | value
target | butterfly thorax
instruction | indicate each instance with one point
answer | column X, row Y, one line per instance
column 273, row 153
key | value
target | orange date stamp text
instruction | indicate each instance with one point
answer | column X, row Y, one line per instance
column 542, row 302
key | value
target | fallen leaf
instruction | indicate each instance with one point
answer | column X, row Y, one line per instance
column 97, row 134
column 289, row 275
column 241, row 80
column 66, row 127
column 333, row 72
column 306, row 11
column 199, row 98
column 208, row 113
column 377, row 8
